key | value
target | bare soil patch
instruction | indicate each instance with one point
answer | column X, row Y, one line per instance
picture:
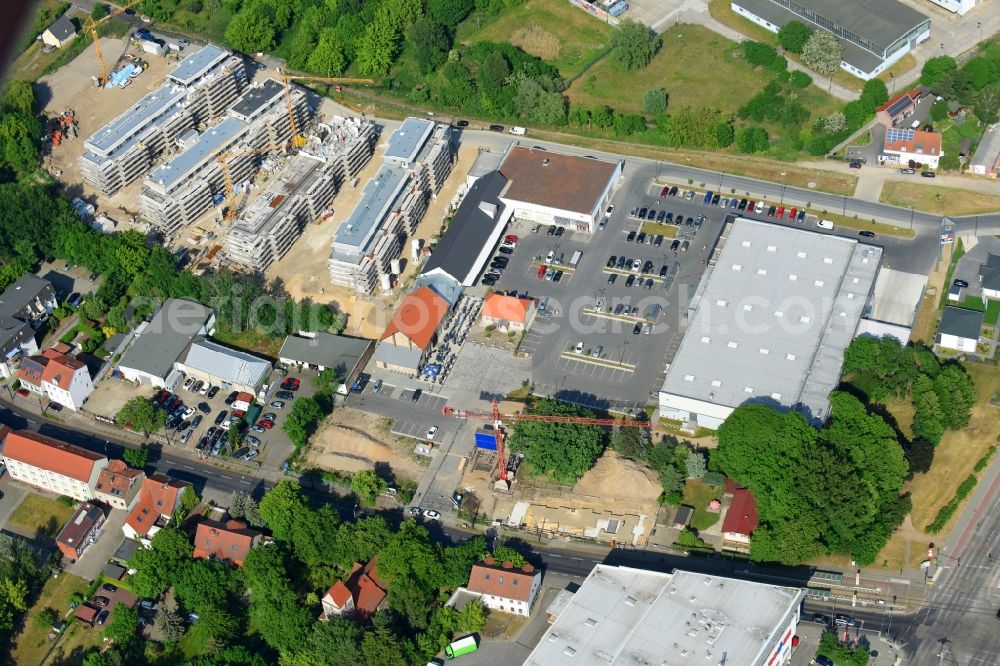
column 352, row 440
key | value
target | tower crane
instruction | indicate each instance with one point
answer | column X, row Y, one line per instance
column 297, row 139
column 497, row 418
column 227, row 178
column 90, row 25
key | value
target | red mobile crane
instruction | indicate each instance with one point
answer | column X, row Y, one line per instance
column 497, row 418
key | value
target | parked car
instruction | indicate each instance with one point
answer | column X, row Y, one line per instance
column 801, row 216
column 432, row 515
column 251, row 454
column 251, row 440
column 197, row 386
column 221, row 416
column 960, row 283
column 855, row 165
column 676, row 244
column 928, row 174
column 231, row 398
column 431, row 432
column 867, row 234
column 560, row 231
column 204, row 408
column 284, row 395
column 100, row 601
column 641, row 238
column 206, row 388
column 108, row 587
column 416, row 395
column 578, row 348
column 637, row 329
column 278, row 404
column 265, row 424
column 630, row 281
column 256, row 427
column 188, row 383
column 102, row 617
column 612, row 278
column 196, row 421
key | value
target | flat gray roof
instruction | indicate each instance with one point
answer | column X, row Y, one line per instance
column 377, row 198
column 166, row 336
column 404, row 357
column 330, row 351
column 988, row 151
column 622, row 615
column 961, row 323
column 208, row 145
column 257, row 97
column 772, row 318
column 196, row 64
column 146, row 111
column 406, row 142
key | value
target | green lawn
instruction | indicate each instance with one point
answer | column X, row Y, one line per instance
column 992, row 313
column 32, row 644
column 557, row 32
column 698, row 494
column 40, row 515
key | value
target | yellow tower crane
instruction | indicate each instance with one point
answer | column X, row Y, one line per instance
column 297, row 139
column 90, row 25
column 227, row 178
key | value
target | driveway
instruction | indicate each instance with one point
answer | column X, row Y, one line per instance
column 90, row 565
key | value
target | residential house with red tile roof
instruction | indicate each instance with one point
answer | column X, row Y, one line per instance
column 229, row 541
column 118, row 485
column 741, row 517
column 159, row 496
column 59, row 377
column 52, row 465
column 900, row 107
column 360, row 596
column 903, row 146
column 504, row 587
column 412, row 331
column 508, row 313
column 84, row 528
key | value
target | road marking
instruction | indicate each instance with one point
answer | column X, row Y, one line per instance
column 245, row 481
column 187, row 467
column 578, row 559
column 554, row 555
column 223, row 476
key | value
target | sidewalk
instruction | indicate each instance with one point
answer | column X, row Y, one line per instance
column 884, row 174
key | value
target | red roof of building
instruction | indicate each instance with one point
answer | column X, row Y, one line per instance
column 502, row 580
column 117, row 478
column 507, row 308
column 157, row 497
column 418, row 316
column 32, row 368
column 339, row 594
column 913, row 95
column 922, row 143
column 60, row 368
column 86, row 613
column 231, row 540
column 741, row 518
column 51, row 454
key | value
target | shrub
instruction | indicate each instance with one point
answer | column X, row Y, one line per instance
column 714, row 478
column 799, row 79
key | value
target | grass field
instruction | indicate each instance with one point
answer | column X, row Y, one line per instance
column 32, row 644
column 992, row 313
column 40, row 515
column 698, row 494
column 665, row 230
column 557, row 32
column 938, row 200
column 880, row 228
column 251, row 341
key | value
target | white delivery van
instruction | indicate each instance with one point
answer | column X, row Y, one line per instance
column 825, row 224
column 520, row 131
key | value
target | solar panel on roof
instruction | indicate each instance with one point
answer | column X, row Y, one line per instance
column 895, row 134
column 897, row 107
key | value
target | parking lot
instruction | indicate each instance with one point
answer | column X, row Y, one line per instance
column 619, row 355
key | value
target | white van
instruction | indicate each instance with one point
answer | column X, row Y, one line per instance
column 825, row 224
column 520, row 131
column 915, row 124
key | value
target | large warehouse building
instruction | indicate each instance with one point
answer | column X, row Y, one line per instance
column 553, row 188
column 769, row 323
column 874, row 34
column 621, row 615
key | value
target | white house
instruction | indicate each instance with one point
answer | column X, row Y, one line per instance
column 59, row 33
column 504, row 587
column 960, row 7
column 902, row 146
column 163, row 341
column 61, row 378
column 52, row 465
column 508, row 313
column 959, row 329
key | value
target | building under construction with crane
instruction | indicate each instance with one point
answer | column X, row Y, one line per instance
column 335, row 153
column 183, row 188
column 198, row 91
column 416, row 163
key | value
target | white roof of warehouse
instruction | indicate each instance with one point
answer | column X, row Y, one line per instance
column 228, row 365
column 772, row 318
column 622, row 615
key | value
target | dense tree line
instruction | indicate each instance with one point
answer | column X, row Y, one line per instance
column 269, row 608
column 561, row 451
column 976, row 84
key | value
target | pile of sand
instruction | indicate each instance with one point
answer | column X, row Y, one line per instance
column 619, row 478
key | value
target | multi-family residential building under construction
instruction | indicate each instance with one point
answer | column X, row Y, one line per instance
column 301, row 192
column 183, row 188
column 198, row 91
column 416, row 163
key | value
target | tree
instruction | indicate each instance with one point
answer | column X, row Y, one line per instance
column 928, row 416
column 19, row 97
column 633, row 45
column 252, row 29
column 507, row 554
column 835, row 123
column 939, row 110
column 630, row 442
column 327, row 58
column 141, row 415
column 377, row 46
column 987, row 103
column 100, row 11
column 157, row 565
column 563, row 451
column 368, row 485
column 19, row 136
column 937, row 67
column 799, row 79
column 281, row 507
column 170, row 625
column 874, row 94
column 752, row 140
column 919, row 455
column 654, row 101
column 956, row 395
column 696, row 465
column 472, row 617
column 759, row 54
column 243, row 505
column 823, row 53
column 793, row 36
column 136, row 458
column 450, row 12
column 429, row 42
column 301, row 421
column 46, row 618
column 122, row 624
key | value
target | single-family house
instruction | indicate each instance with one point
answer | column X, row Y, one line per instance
column 412, row 331
column 229, row 541
column 741, row 517
column 84, row 528
column 989, row 277
column 52, row 465
column 162, row 341
column 359, row 597
column 508, row 313
column 902, row 146
column 59, row 377
column 504, row 587
column 900, row 107
column 319, row 351
column 118, row 485
column 959, row 329
column 24, row 305
column 159, row 496
column 59, row 33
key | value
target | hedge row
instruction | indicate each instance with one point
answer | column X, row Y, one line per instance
column 948, row 510
column 985, row 460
